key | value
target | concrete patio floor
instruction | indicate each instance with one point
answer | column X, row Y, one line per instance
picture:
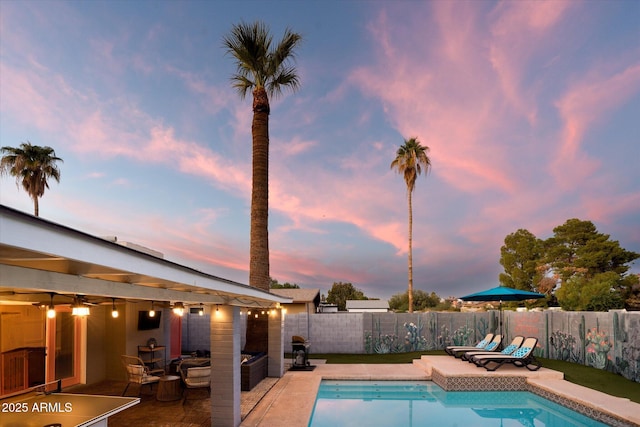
column 195, row 412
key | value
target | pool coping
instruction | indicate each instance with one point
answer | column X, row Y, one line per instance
column 456, row 375
column 298, row 389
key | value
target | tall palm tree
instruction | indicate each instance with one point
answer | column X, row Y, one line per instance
column 266, row 70
column 410, row 159
column 32, row 166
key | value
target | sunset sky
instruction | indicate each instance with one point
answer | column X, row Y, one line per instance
column 531, row 111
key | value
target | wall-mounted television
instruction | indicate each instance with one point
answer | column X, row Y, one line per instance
column 146, row 322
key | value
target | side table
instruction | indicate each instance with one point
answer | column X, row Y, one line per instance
column 169, row 388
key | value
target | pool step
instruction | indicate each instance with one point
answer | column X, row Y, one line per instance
column 423, row 365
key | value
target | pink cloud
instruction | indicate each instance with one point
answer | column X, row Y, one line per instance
column 213, row 98
column 457, row 109
column 28, row 93
column 609, row 207
column 293, row 147
column 85, row 125
column 586, row 103
column 343, row 197
column 178, row 238
column 519, row 31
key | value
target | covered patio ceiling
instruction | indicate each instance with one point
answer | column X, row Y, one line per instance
column 39, row 258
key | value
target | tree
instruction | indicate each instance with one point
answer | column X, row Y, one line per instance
column 32, row 166
column 265, row 70
column 590, row 269
column 410, row 159
column 577, row 248
column 520, row 256
column 421, row 301
column 276, row 285
column 341, row 292
column 596, row 294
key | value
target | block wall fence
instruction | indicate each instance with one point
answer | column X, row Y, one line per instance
column 604, row 340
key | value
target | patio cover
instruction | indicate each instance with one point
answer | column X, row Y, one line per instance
column 40, row 256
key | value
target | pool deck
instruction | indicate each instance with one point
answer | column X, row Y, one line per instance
column 298, row 389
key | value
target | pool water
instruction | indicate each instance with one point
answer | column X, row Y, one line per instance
column 423, row 403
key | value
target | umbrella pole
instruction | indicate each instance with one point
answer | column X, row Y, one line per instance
column 500, row 307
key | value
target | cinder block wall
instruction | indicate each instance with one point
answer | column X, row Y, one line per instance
column 327, row 333
column 604, row 340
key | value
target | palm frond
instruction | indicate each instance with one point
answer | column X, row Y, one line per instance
column 242, row 84
column 285, row 78
column 411, row 159
column 257, row 63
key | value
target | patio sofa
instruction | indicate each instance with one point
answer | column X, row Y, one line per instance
column 253, row 369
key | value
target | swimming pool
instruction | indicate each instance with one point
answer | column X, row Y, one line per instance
column 421, row 403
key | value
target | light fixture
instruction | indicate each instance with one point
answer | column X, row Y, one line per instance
column 79, row 309
column 51, row 311
column 114, row 310
column 217, row 307
column 201, row 310
column 178, row 309
column 152, row 312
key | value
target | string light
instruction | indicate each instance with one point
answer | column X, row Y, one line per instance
column 152, row 312
column 79, row 309
column 51, row 311
column 178, row 309
column 201, row 311
column 114, row 310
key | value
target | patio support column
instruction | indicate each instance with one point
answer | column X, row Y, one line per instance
column 225, row 366
column 276, row 343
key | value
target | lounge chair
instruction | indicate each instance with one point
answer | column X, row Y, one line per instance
column 494, row 345
column 522, row 357
column 451, row 349
column 515, row 344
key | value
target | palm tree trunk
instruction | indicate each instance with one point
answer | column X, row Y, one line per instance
column 36, row 206
column 410, row 287
column 259, row 234
column 258, row 327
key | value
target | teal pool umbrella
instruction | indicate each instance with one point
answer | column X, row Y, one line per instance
column 502, row 293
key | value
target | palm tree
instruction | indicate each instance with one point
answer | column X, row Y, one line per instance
column 266, row 70
column 410, row 159
column 32, row 166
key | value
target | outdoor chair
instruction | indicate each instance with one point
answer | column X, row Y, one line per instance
column 195, row 373
column 515, row 344
column 451, row 349
column 139, row 373
column 492, row 344
column 522, row 357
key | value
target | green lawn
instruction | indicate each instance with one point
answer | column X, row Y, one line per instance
column 597, row 379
